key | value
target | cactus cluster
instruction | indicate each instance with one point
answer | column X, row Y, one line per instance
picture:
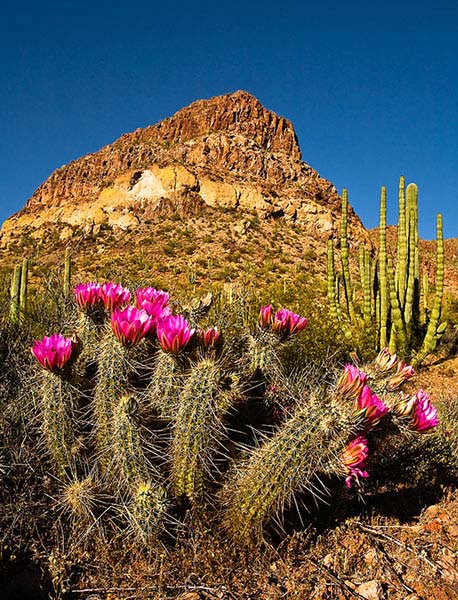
column 391, row 288
column 156, row 415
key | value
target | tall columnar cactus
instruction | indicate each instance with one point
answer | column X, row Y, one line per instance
column 344, row 256
column 331, row 281
column 24, row 286
column 435, row 328
column 15, row 294
column 67, row 285
column 382, row 263
column 394, row 298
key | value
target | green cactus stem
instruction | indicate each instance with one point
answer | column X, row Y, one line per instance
column 398, row 338
column 147, row 511
column 197, row 431
column 331, row 280
column 15, row 294
column 383, row 280
column 111, row 385
column 435, row 329
column 162, row 393
column 402, row 251
column 67, row 285
column 58, row 418
column 129, row 458
column 24, row 285
column 289, row 462
column 344, row 256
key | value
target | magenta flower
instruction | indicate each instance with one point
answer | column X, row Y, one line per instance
column 351, row 382
column 53, row 352
column 114, row 295
column 266, row 315
column 130, row 325
column 353, row 459
column 155, row 310
column 374, row 408
column 173, row 333
column 287, row 322
column 424, row 414
column 88, row 295
column 210, row 338
column 150, row 295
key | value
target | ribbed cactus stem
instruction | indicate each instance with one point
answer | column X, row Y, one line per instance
column 383, row 336
column 409, row 298
column 289, row 463
column 58, row 421
column 147, row 510
column 162, row 393
column 367, row 308
column 398, row 339
column 332, row 300
column 425, row 294
column 263, row 355
column 111, row 385
column 130, row 465
column 431, row 337
column 401, row 251
column 197, row 431
column 24, row 286
column 344, row 256
column 67, row 285
column 15, row 294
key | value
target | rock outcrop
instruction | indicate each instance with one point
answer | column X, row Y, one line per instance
column 228, row 151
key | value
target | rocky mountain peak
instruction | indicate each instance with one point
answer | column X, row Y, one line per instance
column 228, row 151
column 239, row 113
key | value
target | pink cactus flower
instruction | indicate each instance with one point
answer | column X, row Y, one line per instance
column 155, row 310
column 287, row 322
column 88, row 295
column 403, row 373
column 266, row 315
column 130, row 325
column 351, row 382
column 353, row 459
column 385, row 361
column 53, row 352
column 114, row 295
column 150, row 295
column 424, row 415
column 173, row 333
column 210, row 338
column 374, row 408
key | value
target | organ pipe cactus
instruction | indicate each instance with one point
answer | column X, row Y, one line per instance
column 395, row 299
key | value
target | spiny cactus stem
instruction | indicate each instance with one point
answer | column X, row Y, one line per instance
column 383, row 271
column 15, row 294
column 58, row 420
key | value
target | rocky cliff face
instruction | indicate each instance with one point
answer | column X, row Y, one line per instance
column 228, row 151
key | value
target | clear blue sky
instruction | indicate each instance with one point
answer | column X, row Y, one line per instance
column 371, row 89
